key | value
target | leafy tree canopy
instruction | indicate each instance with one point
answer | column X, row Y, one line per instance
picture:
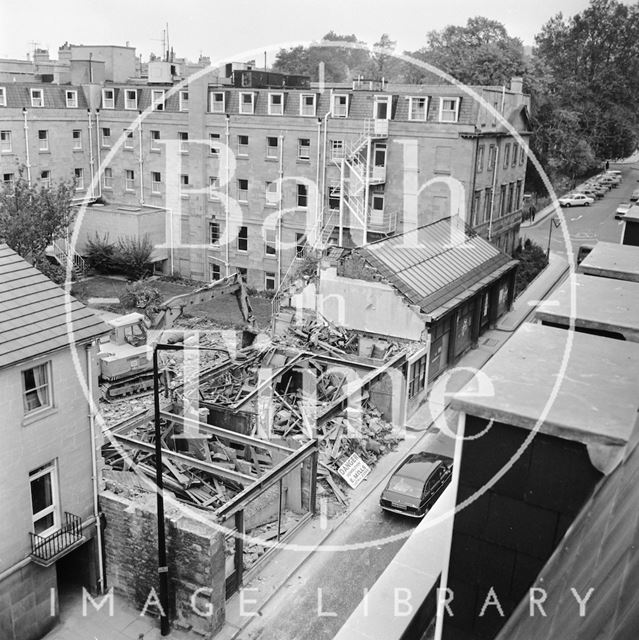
column 32, row 216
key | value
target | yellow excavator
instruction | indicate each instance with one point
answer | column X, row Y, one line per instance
column 126, row 365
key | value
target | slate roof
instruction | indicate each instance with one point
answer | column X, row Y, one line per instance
column 33, row 318
column 437, row 266
column 599, row 551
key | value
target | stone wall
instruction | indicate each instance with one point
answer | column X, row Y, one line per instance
column 25, row 603
column 195, row 552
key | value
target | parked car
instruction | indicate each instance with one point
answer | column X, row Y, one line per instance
column 614, row 175
column 417, row 483
column 622, row 209
column 635, row 195
column 593, row 192
column 613, row 181
column 576, row 200
column 615, row 172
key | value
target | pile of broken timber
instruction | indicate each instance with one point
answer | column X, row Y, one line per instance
column 193, row 486
column 319, row 335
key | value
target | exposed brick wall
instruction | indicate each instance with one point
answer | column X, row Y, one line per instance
column 195, row 552
column 25, row 603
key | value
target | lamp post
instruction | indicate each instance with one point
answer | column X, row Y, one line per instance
column 554, row 223
column 163, row 570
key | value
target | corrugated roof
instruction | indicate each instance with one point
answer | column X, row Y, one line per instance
column 33, row 312
column 437, row 263
column 599, row 552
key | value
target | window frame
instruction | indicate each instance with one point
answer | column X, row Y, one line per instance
column 40, row 100
column 3, row 96
column 306, row 157
column 129, row 183
column 271, row 196
column 506, row 162
column 411, row 107
column 108, row 103
column 215, row 233
column 105, row 138
column 183, row 137
column 130, row 103
column 241, row 191
column 382, row 100
column 107, row 178
column 213, row 101
column 155, row 189
column 242, row 147
column 6, row 145
column 337, row 143
column 48, row 385
column 242, row 237
column 155, row 146
column 50, row 469
column 242, row 103
column 128, row 139
column 215, row 273
column 492, row 157
column 270, row 147
column 268, row 276
column 43, row 142
column 158, row 104
column 336, row 113
column 303, row 96
column 76, row 140
column 300, row 245
column 455, row 111
column 73, row 102
column 183, row 102
column 301, row 195
column 479, row 163
column 214, row 185
column 184, row 184
column 270, row 242
column 78, row 173
column 271, row 110
column 45, row 181
column 213, row 151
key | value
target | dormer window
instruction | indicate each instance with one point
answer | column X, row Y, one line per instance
column 449, row 109
column 37, row 98
column 108, row 98
column 3, row 97
column 339, row 105
column 381, row 108
column 130, row 99
column 247, row 103
column 157, row 98
column 72, row 99
column 307, row 104
column 417, row 108
column 275, row 104
column 216, row 102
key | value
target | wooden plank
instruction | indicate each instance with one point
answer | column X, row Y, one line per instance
column 336, row 490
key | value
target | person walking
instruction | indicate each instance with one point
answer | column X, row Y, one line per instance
column 532, row 212
column 607, row 165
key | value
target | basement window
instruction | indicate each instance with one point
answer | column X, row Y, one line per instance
column 45, row 178
column 269, row 281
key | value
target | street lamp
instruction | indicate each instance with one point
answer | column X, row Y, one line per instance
column 554, row 223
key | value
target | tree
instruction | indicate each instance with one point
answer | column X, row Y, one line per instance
column 32, row 216
column 592, row 61
column 480, row 53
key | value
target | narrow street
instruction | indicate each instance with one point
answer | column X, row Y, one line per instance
column 588, row 224
column 321, row 595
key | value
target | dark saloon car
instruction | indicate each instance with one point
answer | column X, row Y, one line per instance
column 416, row 484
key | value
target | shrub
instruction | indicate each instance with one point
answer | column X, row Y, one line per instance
column 55, row 272
column 132, row 257
column 140, row 295
column 99, row 254
column 532, row 260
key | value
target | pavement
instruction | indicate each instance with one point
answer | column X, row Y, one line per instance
column 128, row 624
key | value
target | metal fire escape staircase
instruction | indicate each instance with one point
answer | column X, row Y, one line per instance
column 357, row 175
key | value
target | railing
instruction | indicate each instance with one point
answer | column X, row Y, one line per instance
column 46, row 549
column 62, row 250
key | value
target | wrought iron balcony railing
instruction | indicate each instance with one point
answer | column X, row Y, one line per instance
column 45, row 550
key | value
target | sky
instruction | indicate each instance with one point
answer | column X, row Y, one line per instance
column 226, row 30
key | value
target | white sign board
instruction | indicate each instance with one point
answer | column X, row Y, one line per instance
column 354, row 470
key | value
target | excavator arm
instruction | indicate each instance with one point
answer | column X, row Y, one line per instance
column 170, row 310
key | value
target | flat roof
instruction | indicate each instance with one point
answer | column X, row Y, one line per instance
column 595, row 402
column 115, row 207
column 599, row 303
column 612, row 260
column 632, row 214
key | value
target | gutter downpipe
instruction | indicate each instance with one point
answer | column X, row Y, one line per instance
column 94, row 471
column 97, row 140
column 323, row 200
column 473, row 182
column 279, row 214
column 26, row 144
column 141, row 165
column 226, row 195
column 492, row 195
column 91, row 156
column 318, row 211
